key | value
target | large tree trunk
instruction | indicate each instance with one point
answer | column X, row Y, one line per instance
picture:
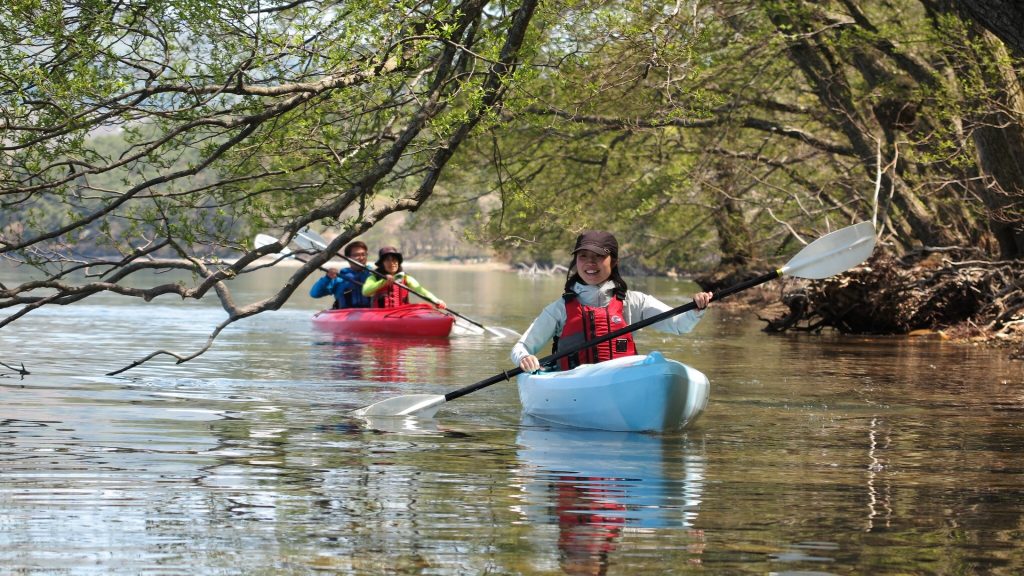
column 1004, row 18
column 825, row 71
column 1000, row 145
column 996, row 124
column 734, row 239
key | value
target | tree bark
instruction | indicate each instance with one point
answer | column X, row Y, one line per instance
column 999, row 141
column 823, row 68
column 734, row 239
column 1004, row 18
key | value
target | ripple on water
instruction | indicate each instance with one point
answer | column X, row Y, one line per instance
column 818, row 454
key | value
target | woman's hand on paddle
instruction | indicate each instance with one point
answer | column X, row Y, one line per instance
column 440, row 304
column 702, row 299
column 530, row 364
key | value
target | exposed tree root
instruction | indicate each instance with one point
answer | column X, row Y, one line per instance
column 948, row 291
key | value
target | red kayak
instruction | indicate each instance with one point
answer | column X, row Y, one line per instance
column 408, row 320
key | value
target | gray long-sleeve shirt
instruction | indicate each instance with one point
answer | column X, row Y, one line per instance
column 638, row 306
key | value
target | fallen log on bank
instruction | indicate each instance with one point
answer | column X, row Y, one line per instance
column 951, row 290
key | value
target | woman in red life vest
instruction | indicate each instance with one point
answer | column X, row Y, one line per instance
column 596, row 301
column 389, row 289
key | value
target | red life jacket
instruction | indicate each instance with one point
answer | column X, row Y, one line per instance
column 584, row 323
column 391, row 297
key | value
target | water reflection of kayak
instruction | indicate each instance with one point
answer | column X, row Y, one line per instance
column 353, row 357
column 649, row 480
column 635, row 393
column 416, row 320
column 597, row 486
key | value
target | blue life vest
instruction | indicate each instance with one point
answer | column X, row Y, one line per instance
column 352, row 294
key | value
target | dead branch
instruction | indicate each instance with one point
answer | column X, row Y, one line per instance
column 19, row 371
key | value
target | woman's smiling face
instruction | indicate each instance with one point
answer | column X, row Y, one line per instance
column 594, row 268
column 390, row 264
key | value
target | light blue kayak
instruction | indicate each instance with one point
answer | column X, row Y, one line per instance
column 643, row 393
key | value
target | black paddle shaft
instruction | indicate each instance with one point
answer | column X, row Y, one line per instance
column 508, row 374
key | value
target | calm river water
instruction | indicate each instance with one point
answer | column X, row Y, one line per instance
column 816, row 455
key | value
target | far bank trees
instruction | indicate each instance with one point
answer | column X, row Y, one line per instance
column 231, row 117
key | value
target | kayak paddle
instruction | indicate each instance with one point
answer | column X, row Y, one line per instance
column 310, row 240
column 827, row 256
column 262, row 240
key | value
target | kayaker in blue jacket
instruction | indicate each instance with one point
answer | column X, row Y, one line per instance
column 346, row 285
column 596, row 302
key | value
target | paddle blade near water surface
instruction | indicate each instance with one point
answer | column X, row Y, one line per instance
column 419, row 405
column 464, row 328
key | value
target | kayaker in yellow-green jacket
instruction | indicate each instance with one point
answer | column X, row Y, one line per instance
column 393, row 288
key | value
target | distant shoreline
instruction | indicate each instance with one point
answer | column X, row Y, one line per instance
column 434, row 265
column 486, row 266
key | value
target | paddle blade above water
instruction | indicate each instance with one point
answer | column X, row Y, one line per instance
column 262, row 240
column 310, row 240
column 833, row 253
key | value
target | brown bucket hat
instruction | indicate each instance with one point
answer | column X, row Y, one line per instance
column 386, row 250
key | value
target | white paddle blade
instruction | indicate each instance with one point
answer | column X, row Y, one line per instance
column 419, row 405
column 266, row 240
column 463, row 328
column 833, row 253
column 310, row 240
column 503, row 332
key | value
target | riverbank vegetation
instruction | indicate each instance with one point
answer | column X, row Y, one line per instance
column 714, row 138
